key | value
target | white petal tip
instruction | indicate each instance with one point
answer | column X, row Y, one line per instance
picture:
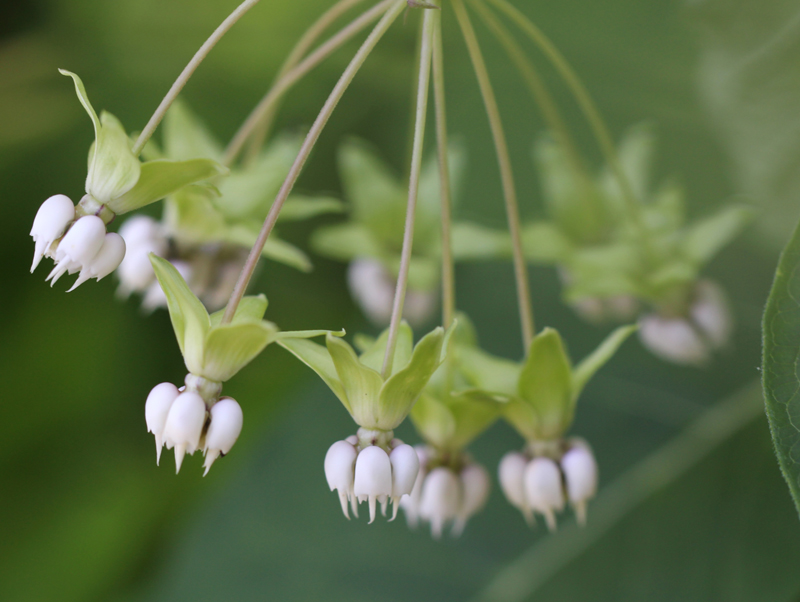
column 180, row 452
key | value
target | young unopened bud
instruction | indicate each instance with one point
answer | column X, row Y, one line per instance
column 339, row 467
column 53, row 217
column 543, row 489
column 474, row 493
column 184, row 425
column 373, row 478
column 511, row 474
column 224, row 427
column 79, row 246
column 106, row 261
column 441, row 499
column 405, row 467
column 156, row 409
column 580, row 473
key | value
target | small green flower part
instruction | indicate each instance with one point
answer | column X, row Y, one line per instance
column 233, row 212
column 373, row 401
column 212, row 350
column 117, row 179
column 541, row 393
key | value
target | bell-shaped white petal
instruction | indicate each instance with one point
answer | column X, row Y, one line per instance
column 441, row 499
column 339, row 471
column 155, row 298
column 405, row 467
column 52, row 218
column 672, row 339
column 184, row 425
column 372, row 289
column 106, row 261
column 475, row 486
column 373, row 479
column 544, row 491
column 141, row 228
column 511, row 474
column 143, row 235
column 711, row 314
column 580, row 473
column 224, row 427
column 79, row 246
column 410, row 503
column 156, row 409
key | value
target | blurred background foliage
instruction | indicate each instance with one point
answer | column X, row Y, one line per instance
column 691, row 507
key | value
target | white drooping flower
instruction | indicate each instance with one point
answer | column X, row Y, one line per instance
column 82, row 248
column 690, row 339
column 580, row 474
column 156, row 409
column 511, row 474
column 544, row 491
column 224, row 427
column 475, row 485
column 106, row 261
column 184, row 425
column 143, row 235
column 370, row 474
column 52, row 219
column 440, row 499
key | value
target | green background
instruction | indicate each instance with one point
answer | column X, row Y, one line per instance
column 692, row 505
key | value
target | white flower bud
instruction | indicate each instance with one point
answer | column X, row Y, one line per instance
column 184, row 425
column 224, row 427
column 580, row 473
column 141, row 229
column 372, row 289
column 475, row 492
column 672, row 339
column 711, row 313
column 79, row 246
column 373, row 478
column 405, row 467
column 106, row 261
column 511, row 474
column 441, row 499
column 52, row 218
column 410, row 502
column 339, row 466
column 156, row 409
column 155, row 297
column 543, row 489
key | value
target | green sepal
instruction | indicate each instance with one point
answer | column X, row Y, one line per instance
column 707, row 237
column 453, row 422
column 373, row 355
column 161, row 178
column 251, row 308
column 472, row 241
column 485, row 372
column 587, row 368
column 186, row 137
column 318, row 358
column 300, row 207
column 543, row 242
column 275, row 248
column 113, row 168
column 361, row 384
column 230, row 347
column 345, row 241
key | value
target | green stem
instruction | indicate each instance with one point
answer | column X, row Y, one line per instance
column 586, row 104
column 187, row 72
column 506, row 172
column 300, row 49
column 292, row 77
column 308, row 144
column 448, row 269
column 413, row 187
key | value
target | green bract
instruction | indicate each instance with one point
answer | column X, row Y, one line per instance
column 116, row 178
column 540, row 394
column 210, row 349
column 378, row 199
column 375, row 402
column 234, row 211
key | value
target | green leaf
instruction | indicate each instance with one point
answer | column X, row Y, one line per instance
column 401, row 390
column 587, row 368
column 250, row 309
column 472, row 241
column 781, row 375
column 230, row 347
column 345, row 242
column 545, row 383
column 80, row 90
column 707, row 237
column 162, row 178
column 189, row 317
column 361, row 384
column 113, row 168
column 317, row 358
column 298, row 207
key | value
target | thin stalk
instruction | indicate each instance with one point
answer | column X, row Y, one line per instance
column 445, row 194
column 587, row 105
column 300, row 49
column 536, row 86
column 292, row 77
column 413, row 187
column 308, row 144
column 506, row 172
column 187, row 72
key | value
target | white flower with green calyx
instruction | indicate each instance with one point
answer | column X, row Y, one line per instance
column 370, row 240
column 373, row 466
column 196, row 417
column 116, row 182
column 538, row 399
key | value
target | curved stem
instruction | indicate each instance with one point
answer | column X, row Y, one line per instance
column 586, row 104
column 187, row 72
column 448, row 269
column 303, row 45
column 308, row 144
column 413, row 186
column 506, row 172
column 315, row 58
